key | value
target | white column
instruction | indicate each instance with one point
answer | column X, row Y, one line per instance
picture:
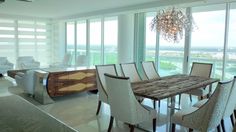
column 125, row 38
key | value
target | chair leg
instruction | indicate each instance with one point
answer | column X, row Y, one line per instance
column 232, row 119
column 99, row 105
column 190, row 130
column 110, row 124
column 179, row 99
column 159, row 103
column 154, row 104
column 222, row 125
column 190, row 96
column 201, row 98
column 154, row 125
column 235, row 113
column 173, row 127
column 218, row 128
column 131, row 128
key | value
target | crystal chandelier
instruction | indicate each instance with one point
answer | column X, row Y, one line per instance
column 171, row 24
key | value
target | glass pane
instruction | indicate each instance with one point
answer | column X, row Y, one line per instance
column 70, row 40
column 81, row 38
column 95, row 42
column 230, row 69
column 150, row 39
column 171, row 57
column 207, row 41
column 110, row 40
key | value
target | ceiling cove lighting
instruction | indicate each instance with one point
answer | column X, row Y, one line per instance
column 171, row 24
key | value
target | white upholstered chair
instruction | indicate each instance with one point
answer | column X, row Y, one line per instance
column 209, row 115
column 150, row 73
column 202, row 70
column 82, row 60
column 124, row 105
column 101, row 85
column 27, row 62
column 150, row 70
column 26, row 81
column 130, row 70
column 229, row 110
column 5, row 65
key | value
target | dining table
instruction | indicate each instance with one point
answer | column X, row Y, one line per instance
column 170, row 86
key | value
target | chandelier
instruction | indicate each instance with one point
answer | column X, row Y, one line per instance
column 171, row 24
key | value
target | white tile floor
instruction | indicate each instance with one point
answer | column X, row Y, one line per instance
column 78, row 111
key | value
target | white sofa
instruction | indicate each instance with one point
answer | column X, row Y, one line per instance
column 27, row 62
column 26, row 81
column 5, row 65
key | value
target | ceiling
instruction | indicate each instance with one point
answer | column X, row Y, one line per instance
column 66, row 9
column 61, row 8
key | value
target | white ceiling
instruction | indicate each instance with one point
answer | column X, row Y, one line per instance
column 61, row 8
column 66, row 9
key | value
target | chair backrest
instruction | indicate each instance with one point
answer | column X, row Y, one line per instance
column 82, row 60
column 201, row 69
column 121, row 98
column 215, row 106
column 231, row 101
column 150, row 70
column 67, row 59
column 100, row 78
column 130, row 70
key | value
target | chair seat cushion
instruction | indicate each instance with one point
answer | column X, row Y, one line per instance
column 199, row 92
column 200, row 103
column 177, row 118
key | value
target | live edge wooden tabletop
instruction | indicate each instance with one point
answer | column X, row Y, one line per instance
column 169, row 86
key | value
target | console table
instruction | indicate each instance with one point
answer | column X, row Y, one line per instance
column 70, row 80
column 62, row 81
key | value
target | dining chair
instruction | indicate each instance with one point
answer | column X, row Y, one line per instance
column 124, row 105
column 150, row 70
column 130, row 70
column 229, row 110
column 151, row 73
column 209, row 115
column 101, row 85
column 202, row 70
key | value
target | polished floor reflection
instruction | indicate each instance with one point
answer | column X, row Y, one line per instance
column 78, row 111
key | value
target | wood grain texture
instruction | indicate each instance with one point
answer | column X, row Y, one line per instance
column 169, row 86
column 67, row 82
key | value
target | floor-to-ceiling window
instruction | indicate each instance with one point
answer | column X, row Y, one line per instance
column 150, row 38
column 110, row 40
column 207, row 41
column 95, row 41
column 230, row 67
column 96, row 38
column 81, row 35
column 25, row 38
column 70, row 40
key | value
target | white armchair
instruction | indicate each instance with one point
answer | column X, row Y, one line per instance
column 209, row 115
column 101, row 85
column 26, row 81
column 27, row 62
column 124, row 105
column 229, row 110
column 5, row 65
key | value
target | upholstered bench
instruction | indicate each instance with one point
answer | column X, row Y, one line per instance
column 17, row 114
